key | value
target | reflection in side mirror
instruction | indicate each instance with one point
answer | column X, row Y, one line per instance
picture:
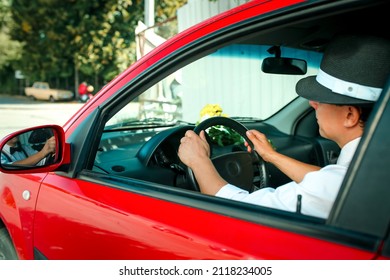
column 34, row 148
column 284, row 65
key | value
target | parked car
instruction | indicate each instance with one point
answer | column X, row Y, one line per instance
column 116, row 188
column 42, row 91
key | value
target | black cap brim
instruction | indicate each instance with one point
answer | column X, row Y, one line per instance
column 310, row 89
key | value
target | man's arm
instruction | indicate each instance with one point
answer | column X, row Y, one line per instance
column 293, row 168
column 31, row 160
column 49, row 147
column 194, row 151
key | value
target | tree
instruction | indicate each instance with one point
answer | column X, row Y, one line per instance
column 62, row 36
column 40, row 25
column 62, row 39
column 166, row 16
column 9, row 49
column 105, row 37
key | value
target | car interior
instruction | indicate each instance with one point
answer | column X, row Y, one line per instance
column 144, row 147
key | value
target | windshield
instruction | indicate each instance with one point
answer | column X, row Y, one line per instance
column 230, row 79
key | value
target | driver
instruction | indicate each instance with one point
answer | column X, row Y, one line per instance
column 352, row 74
column 15, row 153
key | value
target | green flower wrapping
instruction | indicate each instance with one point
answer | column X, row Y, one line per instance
column 219, row 134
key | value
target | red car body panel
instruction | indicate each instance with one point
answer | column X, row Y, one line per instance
column 98, row 220
column 19, row 213
column 142, row 227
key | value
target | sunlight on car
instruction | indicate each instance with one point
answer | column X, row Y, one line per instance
column 244, row 137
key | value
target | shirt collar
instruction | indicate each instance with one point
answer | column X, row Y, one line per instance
column 347, row 152
column 7, row 148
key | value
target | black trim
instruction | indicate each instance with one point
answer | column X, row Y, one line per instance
column 363, row 200
column 80, row 139
column 38, row 255
column 6, row 155
column 386, row 245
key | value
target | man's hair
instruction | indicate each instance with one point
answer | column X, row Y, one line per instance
column 365, row 112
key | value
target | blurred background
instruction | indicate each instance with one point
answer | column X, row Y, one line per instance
column 67, row 42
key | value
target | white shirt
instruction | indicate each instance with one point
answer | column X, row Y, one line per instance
column 318, row 188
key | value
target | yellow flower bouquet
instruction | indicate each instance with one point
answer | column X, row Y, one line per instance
column 219, row 134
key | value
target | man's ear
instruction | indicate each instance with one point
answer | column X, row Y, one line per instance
column 352, row 116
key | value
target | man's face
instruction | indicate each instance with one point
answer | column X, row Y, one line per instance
column 330, row 119
column 13, row 141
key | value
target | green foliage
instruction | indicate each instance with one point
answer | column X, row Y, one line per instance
column 40, row 25
column 224, row 136
column 105, row 37
column 9, row 49
column 94, row 36
column 166, row 14
column 51, row 39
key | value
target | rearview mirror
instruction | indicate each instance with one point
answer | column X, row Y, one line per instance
column 30, row 149
column 284, row 65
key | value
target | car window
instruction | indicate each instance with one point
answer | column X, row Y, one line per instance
column 230, row 77
column 141, row 140
column 144, row 134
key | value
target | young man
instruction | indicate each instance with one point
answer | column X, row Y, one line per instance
column 15, row 153
column 352, row 74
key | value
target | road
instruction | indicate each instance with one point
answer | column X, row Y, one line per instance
column 18, row 112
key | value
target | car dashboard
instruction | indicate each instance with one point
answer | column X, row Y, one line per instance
column 150, row 154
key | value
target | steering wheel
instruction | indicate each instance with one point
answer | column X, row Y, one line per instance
column 49, row 159
column 237, row 168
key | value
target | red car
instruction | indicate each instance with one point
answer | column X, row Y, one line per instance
column 115, row 188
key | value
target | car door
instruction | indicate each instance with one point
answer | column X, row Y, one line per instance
column 88, row 213
column 363, row 204
column 87, row 220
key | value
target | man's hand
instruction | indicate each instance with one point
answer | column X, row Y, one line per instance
column 294, row 169
column 50, row 146
column 193, row 148
column 194, row 151
column 262, row 146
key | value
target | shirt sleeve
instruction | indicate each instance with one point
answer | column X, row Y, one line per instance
column 4, row 159
column 30, row 151
column 283, row 197
column 318, row 189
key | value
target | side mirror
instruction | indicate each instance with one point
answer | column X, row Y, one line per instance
column 284, row 65
column 34, row 149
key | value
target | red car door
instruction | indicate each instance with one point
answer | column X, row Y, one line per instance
column 76, row 219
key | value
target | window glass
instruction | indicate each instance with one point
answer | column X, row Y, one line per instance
column 229, row 81
column 230, row 77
